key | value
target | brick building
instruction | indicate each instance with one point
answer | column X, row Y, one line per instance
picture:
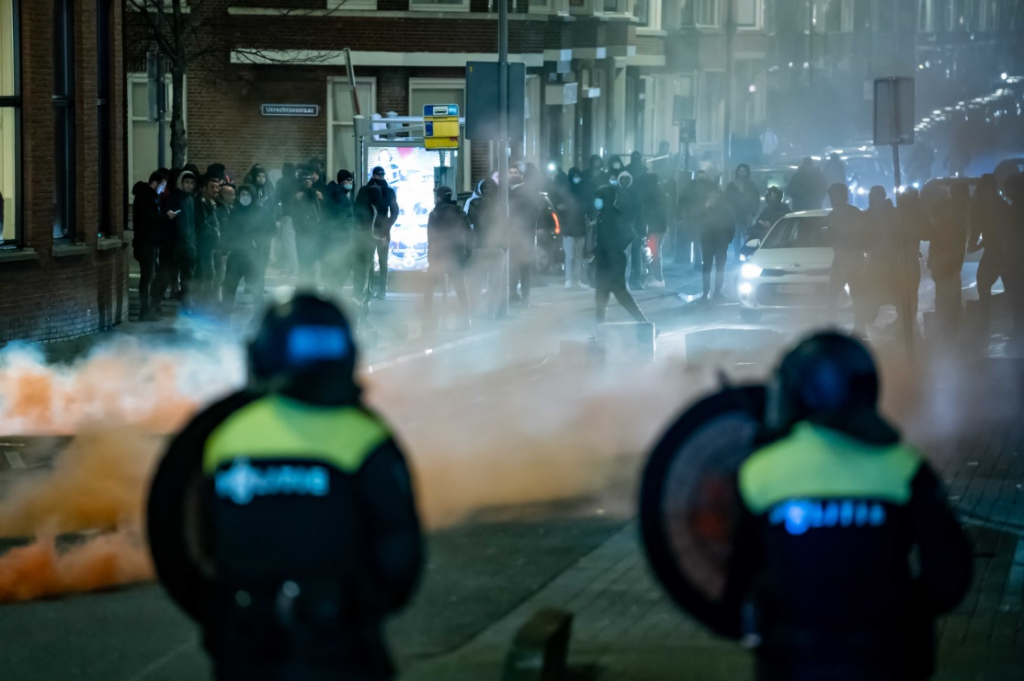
column 596, row 79
column 63, row 269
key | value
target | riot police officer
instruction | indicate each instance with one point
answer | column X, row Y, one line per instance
column 282, row 518
column 832, row 509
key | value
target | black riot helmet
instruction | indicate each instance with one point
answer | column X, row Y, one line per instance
column 773, row 194
column 829, row 379
column 305, row 350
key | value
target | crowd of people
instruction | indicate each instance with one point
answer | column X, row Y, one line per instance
column 200, row 236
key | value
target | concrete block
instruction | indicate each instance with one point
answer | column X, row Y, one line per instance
column 627, row 339
column 540, row 649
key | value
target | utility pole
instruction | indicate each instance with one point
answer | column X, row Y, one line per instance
column 503, row 145
column 730, row 36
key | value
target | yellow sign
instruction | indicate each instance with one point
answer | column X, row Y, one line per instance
column 441, row 142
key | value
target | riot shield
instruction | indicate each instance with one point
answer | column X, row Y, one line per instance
column 689, row 503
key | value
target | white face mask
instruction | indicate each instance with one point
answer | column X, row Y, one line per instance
column 577, row 180
column 598, row 204
column 245, row 199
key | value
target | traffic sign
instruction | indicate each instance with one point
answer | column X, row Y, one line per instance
column 687, row 130
column 434, row 110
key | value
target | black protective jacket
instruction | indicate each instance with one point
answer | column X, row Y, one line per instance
column 145, row 216
column 449, row 238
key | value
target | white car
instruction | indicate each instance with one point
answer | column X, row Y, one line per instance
column 790, row 268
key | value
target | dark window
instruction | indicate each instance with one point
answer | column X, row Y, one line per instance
column 64, row 119
column 105, row 227
column 11, row 233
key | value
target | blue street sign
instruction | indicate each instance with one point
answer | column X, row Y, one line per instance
column 430, row 110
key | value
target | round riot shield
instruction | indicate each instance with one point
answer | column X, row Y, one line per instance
column 689, row 504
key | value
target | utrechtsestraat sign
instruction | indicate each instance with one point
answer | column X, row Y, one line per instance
column 293, row 110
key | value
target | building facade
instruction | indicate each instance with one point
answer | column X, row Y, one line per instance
column 63, row 267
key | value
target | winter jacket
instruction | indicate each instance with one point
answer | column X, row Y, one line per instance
column 249, row 227
column 717, row 224
column 305, row 212
column 145, row 216
column 948, row 239
column 449, row 238
column 181, row 230
column 208, row 229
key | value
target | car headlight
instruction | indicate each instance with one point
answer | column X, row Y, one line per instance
column 750, row 271
column 745, row 288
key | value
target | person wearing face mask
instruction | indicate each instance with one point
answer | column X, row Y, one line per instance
column 615, row 168
column 631, row 207
column 387, row 215
column 574, row 210
column 336, row 237
column 249, row 228
column 612, row 236
column 146, row 241
column 594, row 176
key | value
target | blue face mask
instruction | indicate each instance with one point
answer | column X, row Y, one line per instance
column 614, row 183
column 598, row 204
column 577, row 180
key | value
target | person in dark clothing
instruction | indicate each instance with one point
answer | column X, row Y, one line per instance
column 834, row 170
column 717, row 226
column 249, row 228
column 612, row 237
column 490, row 241
column 849, row 243
column 615, row 168
column 631, row 207
column 336, row 233
column 146, row 242
column 1013, row 278
column 387, row 215
column 950, row 229
column 744, row 198
column 692, row 201
column 218, row 171
column 178, row 249
column 208, row 232
column 305, row 208
column 807, row 187
column 364, row 246
column 846, row 550
column 449, row 246
column 575, row 208
column 914, row 224
column 989, row 231
column 524, row 220
column 885, row 271
column 655, row 205
column 288, row 185
column 259, row 180
column 595, row 176
column 282, row 519
column 636, row 166
column 774, row 209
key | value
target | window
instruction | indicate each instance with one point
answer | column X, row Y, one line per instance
column 705, row 12
column 10, row 115
column 103, row 114
column 63, row 119
column 439, row 5
column 925, row 16
column 748, row 13
column 423, row 91
column 341, row 130
column 144, row 133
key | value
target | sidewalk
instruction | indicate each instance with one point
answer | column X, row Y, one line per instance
column 626, row 629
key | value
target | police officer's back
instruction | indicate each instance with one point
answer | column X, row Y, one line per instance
column 282, row 518
column 832, row 512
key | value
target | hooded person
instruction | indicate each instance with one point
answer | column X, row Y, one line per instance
column 946, row 253
column 615, row 168
column 146, row 227
column 524, row 219
column 178, row 254
column 259, row 180
column 637, row 168
column 595, row 175
column 774, row 209
column 336, row 234
column 717, row 226
column 655, row 204
column 364, row 246
column 610, row 240
column 575, row 211
column 305, row 208
column 990, row 230
column 807, row 188
column 487, row 267
column 249, row 228
column 387, row 215
column 631, row 206
column 208, row 234
column 449, row 247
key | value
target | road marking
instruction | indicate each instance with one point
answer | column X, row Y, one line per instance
column 14, row 459
column 404, row 359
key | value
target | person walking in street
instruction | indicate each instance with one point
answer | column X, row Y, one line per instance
column 249, row 228
column 807, row 187
column 744, row 198
column 946, row 252
column 655, row 205
column 774, row 210
column 364, row 246
column 846, row 550
column 717, row 226
column 387, row 215
column 612, row 237
column 449, row 247
column 1013, row 278
column 208, row 231
column 146, row 221
column 575, row 205
column 305, row 208
column 631, row 207
column 990, row 230
column 490, row 242
column 885, row 272
column 226, row 198
column 692, row 201
column 282, row 519
column 915, row 225
column 524, row 217
column 849, row 264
